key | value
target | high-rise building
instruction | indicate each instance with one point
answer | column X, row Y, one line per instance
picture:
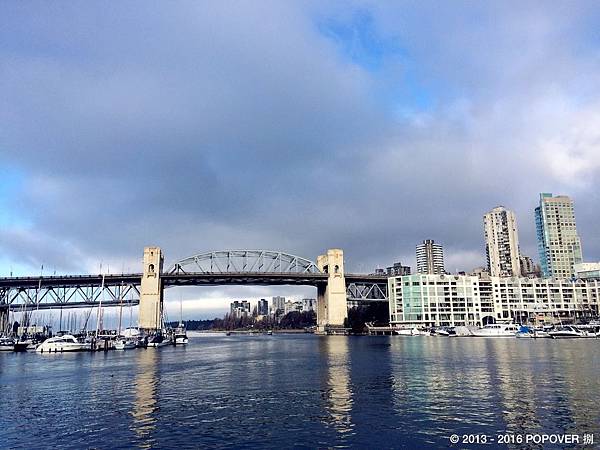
column 239, row 308
column 278, row 305
column 559, row 245
column 263, row 307
column 502, row 243
column 430, row 258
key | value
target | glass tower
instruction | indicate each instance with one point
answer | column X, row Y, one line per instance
column 559, row 246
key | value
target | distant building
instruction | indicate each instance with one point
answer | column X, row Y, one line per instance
column 502, row 243
column 278, row 305
column 481, row 272
column 239, row 308
column 529, row 268
column 291, row 306
column 309, row 304
column 559, row 246
column 397, row 270
column 588, row 271
column 263, row 307
column 430, row 258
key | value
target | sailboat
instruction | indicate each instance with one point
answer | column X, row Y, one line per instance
column 159, row 338
column 122, row 342
column 180, row 334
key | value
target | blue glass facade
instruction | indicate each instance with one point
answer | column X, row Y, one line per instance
column 541, row 241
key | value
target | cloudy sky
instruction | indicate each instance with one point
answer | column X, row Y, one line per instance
column 293, row 126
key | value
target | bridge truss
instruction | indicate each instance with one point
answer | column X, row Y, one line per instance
column 366, row 291
column 29, row 293
column 244, row 262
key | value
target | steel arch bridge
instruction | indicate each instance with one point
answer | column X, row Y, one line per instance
column 215, row 268
column 244, row 262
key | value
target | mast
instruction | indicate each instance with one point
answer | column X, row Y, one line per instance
column 180, row 310
column 120, row 308
column 100, row 307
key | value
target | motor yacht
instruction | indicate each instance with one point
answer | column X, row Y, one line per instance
column 7, row 344
column 406, row 331
column 566, row 332
column 64, row 343
column 496, row 330
column 445, row 331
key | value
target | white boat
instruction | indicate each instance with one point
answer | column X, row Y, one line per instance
column 180, row 335
column 496, row 330
column 406, row 331
column 7, row 345
column 568, row 331
column 125, row 344
column 64, row 343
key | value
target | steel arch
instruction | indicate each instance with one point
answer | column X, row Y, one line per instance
column 244, row 261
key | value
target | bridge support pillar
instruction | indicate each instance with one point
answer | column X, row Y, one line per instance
column 332, row 310
column 4, row 325
column 151, row 293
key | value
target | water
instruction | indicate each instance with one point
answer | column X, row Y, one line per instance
column 300, row 391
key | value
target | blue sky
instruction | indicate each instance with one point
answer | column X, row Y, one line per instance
column 294, row 126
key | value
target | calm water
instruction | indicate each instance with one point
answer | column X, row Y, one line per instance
column 300, row 391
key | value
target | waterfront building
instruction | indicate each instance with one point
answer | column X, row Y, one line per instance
column 263, row 307
column 559, row 245
column 239, row 308
column 587, row 271
column 501, row 243
column 309, row 304
column 277, row 305
column 430, row 258
column 453, row 300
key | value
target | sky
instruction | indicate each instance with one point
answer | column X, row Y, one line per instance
column 289, row 126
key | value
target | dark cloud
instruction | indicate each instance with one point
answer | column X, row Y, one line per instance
column 243, row 125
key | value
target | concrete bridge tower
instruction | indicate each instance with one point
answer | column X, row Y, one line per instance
column 332, row 310
column 151, row 294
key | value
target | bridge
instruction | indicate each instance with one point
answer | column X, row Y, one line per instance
column 335, row 289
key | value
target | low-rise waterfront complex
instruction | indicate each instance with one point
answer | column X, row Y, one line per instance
column 454, row 300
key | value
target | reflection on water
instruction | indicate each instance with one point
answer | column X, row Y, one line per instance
column 145, row 405
column 338, row 392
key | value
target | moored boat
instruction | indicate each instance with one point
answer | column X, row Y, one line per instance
column 7, row 344
column 180, row 335
column 158, row 339
column 567, row 332
column 125, row 344
column 496, row 330
column 60, row 344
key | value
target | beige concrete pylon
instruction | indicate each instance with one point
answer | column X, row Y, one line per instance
column 332, row 310
column 151, row 293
